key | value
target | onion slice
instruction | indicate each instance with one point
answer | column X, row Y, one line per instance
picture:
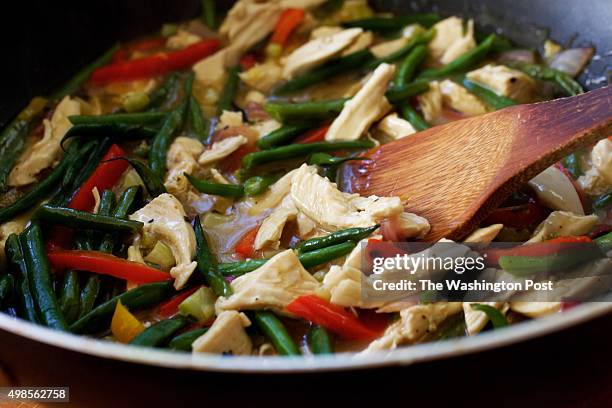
column 556, row 191
column 572, row 61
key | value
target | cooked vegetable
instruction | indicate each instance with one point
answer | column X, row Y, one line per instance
column 289, row 20
column 209, row 13
column 566, row 82
column 320, row 341
column 274, row 330
column 208, row 187
column 98, row 262
column 489, row 97
column 394, row 23
column 282, row 136
column 497, row 318
column 463, row 62
column 124, row 206
column 200, row 305
column 161, row 142
column 258, row 184
column 171, row 307
column 305, row 112
column 124, row 325
column 183, row 341
column 603, row 201
column 82, row 219
column 229, row 91
column 207, row 265
column 161, row 96
column 407, row 69
column 151, row 181
column 39, row 273
column 26, row 307
column 144, row 118
column 403, row 92
column 199, row 125
column 7, row 286
column 413, row 117
column 338, row 237
column 160, row 333
column 296, row 150
column 324, row 159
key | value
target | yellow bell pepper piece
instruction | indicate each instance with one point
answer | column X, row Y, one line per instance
column 125, row 326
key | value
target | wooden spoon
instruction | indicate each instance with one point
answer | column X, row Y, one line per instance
column 456, row 174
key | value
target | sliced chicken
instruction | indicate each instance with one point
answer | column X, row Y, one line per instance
column 451, row 40
column 414, row 325
column 301, row 4
column 272, row 286
column 384, row 49
column 319, row 50
column 275, row 194
column 535, row 309
column 212, row 70
column 410, row 225
column 563, row 223
column 597, row 179
column 230, row 118
column 363, row 41
column 45, row 152
column 226, row 336
column 505, row 81
column 431, row 102
column 367, row 106
column 270, row 231
column 263, row 76
column 221, row 149
column 484, row 235
column 165, row 220
column 458, row 98
column 395, row 127
column 476, row 320
column 321, row 201
column 182, row 39
column 181, row 159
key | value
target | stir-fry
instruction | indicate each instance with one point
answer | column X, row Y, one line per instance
column 192, row 190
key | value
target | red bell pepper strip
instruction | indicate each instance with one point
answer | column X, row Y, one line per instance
column 315, row 135
column 248, row 61
column 170, row 307
column 105, row 176
column 331, row 317
column 233, row 162
column 538, row 249
column 246, row 245
column 289, row 20
column 154, row 65
column 106, row 264
column 518, row 216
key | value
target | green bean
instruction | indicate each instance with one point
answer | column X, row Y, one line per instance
column 486, row 95
column 151, row 180
column 305, row 112
column 226, row 100
column 413, row 117
column 393, row 23
column 308, row 260
column 39, row 270
column 603, row 201
column 400, row 93
column 338, row 237
column 42, row 189
column 524, row 266
column 107, row 202
column 83, row 75
column 463, row 62
column 26, row 307
column 407, row 69
column 83, row 220
column 162, row 95
column 89, row 294
column 161, row 142
column 7, row 289
column 319, row 341
column 12, row 142
column 324, row 159
column 328, row 70
column 69, row 296
column 566, row 82
column 114, row 130
column 497, row 318
column 423, row 38
column 209, row 14
column 572, row 164
column 142, row 118
column 122, row 209
column 207, row 265
column 220, row 189
column 296, row 150
column 604, row 243
column 282, row 136
column 139, row 298
column 276, row 332
column 258, row 184
column 72, row 172
column 453, row 326
column 183, row 341
column 160, row 333
column 326, row 254
column 199, row 125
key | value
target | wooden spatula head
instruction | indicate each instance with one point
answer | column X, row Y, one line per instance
column 456, row 174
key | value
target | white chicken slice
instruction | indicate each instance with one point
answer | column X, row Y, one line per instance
column 363, row 41
column 535, row 309
column 321, row 201
column 271, row 229
column 411, row 225
column 272, row 286
column 211, row 71
column 301, row 4
column 45, row 153
column 221, row 149
column 275, row 194
column 263, row 76
column 475, row 320
column 165, row 220
column 229, row 118
column 226, row 336
column 384, row 49
column 367, row 106
column 182, row 39
column 505, row 81
column 484, row 235
column 597, row 179
column 563, row 223
column 458, row 98
column 181, row 159
column 415, row 324
column 318, row 50
column 451, row 40
column 431, row 102
column 395, row 127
